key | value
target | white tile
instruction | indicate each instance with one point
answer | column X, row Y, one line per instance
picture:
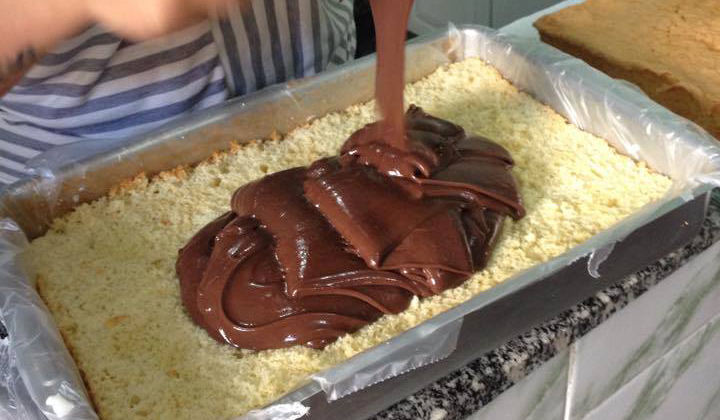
column 523, row 27
column 504, row 11
column 540, row 395
column 683, row 384
column 434, row 15
column 632, row 339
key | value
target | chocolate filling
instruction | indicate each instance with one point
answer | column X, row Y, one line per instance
column 309, row 254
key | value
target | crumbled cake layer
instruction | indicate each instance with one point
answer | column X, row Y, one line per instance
column 669, row 48
column 107, row 271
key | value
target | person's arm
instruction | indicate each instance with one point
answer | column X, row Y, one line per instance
column 12, row 70
column 30, row 27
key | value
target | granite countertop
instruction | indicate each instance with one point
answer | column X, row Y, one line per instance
column 465, row 391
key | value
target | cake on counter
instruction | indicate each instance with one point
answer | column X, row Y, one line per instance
column 107, row 269
column 669, row 48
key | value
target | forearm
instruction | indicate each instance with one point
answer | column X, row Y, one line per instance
column 12, row 70
column 30, row 27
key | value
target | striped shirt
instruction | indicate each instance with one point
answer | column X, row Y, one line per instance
column 97, row 90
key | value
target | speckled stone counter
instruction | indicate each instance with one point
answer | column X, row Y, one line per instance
column 465, row 391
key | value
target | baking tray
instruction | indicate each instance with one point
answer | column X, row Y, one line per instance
column 630, row 121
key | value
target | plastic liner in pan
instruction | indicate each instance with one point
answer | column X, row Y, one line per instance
column 41, row 379
column 40, row 376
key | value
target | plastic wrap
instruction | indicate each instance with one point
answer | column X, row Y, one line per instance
column 431, row 343
column 40, row 375
column 289, row 411
column 615, row 110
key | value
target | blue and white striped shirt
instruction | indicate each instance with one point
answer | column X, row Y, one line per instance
column 100, row 87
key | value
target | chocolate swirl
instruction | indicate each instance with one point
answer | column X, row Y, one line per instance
column 309, row 254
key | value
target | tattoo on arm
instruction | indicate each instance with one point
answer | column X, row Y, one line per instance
column 12, row 69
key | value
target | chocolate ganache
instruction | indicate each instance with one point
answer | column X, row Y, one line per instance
column 309, row 254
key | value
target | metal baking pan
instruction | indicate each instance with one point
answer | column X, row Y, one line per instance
column 630, row 121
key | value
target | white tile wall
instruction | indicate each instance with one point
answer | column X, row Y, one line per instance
column 649, row 327
column 683, row 384
column 432, row 15
column 539, row 396
column 658, row 358
column 523, row 27
column 506, row 11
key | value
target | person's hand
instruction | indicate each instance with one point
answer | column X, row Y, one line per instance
column 143, row 19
